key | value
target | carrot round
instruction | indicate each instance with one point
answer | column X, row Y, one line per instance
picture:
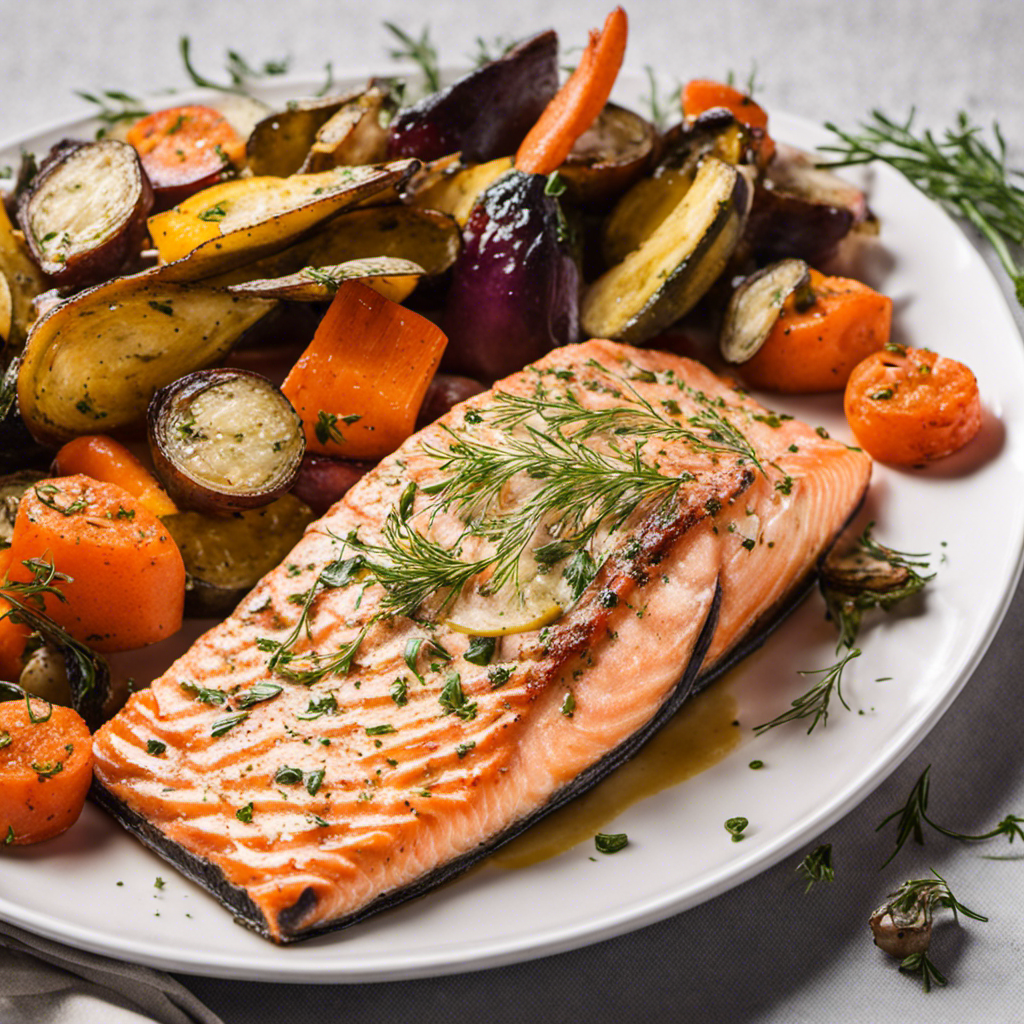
column 185, row 149
column 907, row 405
column 360, row 383
column 703, row 94
column 13, row 635
column 45, row 770
column 815, row 348
column 107, row 460
column 128, row 577
column 576, row 105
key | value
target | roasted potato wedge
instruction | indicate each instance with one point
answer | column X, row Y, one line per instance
column 455, row 189
column 394, row 279
column 238, row 222
column 226, row 558
column 84, row 215
column 24, row 280
column 667, row 275
column 355, row 134
column 280, row 142
column 224, row 440
column 94, row 361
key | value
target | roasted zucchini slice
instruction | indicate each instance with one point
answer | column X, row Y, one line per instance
column 667, row 275
column 392, row 278
column 94, row 361
column 224, row 440
column 226, row 558
column 756, row 304
column 84, row 215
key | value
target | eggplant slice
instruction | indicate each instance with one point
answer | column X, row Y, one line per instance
column 224, row 440
column 756, row 305
column 84, row 215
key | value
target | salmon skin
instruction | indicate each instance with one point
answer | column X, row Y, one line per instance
column 435, row 667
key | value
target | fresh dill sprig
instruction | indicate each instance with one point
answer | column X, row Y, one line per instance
column 817, row 866
column 240, row 72
column 869, row 575
column 45, row 578
column 420, row 51
column 114, row 107
column 958, row 169
column 814, row 704
column 659, row 109
column 913, row 815
column 929, row 894
column 308, row 667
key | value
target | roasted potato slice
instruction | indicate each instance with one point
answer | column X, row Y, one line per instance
column 667, row 275
column 355, row 134
column 224, row 440
column 394, row 279
column 24, row 280
column 238, row 222
column 84, row 215
column 226, row 558
column 94, row 361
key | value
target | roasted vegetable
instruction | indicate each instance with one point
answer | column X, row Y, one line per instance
column 185, row 149
column 25, row 281
column 46, row 675
column 356, row 133
column 823, row 330
column 666, row 276
column 12, row 488
column 609, row 156
column 756, row 306
column 226, row 557
column 639, row 213
column 803, row 211
column 84, row 215
column 514, row 292
column 454, row 188
column 240, row 221
column 224, row 440
column 361, row 381
column 487, row 113
column 392, row 278
column 93, row 362
column 703, row 95
column 324, row 479
column 6, row 310
column 280, row 142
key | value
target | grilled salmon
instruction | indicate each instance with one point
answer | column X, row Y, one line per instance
column 484, row 626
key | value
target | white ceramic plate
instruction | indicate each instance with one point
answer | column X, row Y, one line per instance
column 967, row 510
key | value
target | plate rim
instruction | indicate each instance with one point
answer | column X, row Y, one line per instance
column 371, row 968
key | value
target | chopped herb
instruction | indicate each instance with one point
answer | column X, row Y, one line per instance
column 735, row 827
column 214, row 213
column 611, row 842
column 817, row 866
column 882, row 394
column 412, row 653
column 162, row 307
column 9, row 838
column 380, row 730
column 453, row 700
column 499, row 675
column 159, row 883
column 5, row 739
column 326, row 426
column 320, row 821
column 400, row 691
column 47, row 769
column 480, row 650
column 204, row 695
column 228, row 722
column 319, row 706
column 258, row 693
column 568, row 705
column 245, row 813
column 462, row 749
column 45, row 495
column 554, row 186
column 288, row 776
column 155, row 747
column 756, row 764
column 314, row 780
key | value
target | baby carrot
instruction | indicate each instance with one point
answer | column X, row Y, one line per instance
column 576, row 105
column 815, row 347
column 127, row 584
column 907, row 405
column 107, row 460
column 45, row 770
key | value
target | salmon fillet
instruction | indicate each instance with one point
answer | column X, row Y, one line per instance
column 330, row 750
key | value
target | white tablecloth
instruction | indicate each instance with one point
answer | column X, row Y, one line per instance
column 765, row 951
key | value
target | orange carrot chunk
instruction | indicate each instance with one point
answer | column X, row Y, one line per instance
column 575, row 106
column 128, row 577
column 815, row 348
column 107, row 460
column 703, row 94
column 907, row 405
column 360, row 383
column 45, row 770
column 185, row 149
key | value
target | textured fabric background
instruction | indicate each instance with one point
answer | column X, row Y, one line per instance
column 764, row 952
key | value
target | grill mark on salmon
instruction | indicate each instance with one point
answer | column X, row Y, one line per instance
column 682, row 592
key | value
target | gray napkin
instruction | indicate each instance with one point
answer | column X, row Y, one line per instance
column 43, row 982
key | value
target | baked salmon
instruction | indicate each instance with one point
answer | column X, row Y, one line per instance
column 484, row 626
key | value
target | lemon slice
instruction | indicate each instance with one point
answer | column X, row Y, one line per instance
column 506, row 612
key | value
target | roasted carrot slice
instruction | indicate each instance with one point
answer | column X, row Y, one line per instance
column 360, row 383
column 703, row 94
column 107, row 460
column 576, row 105
column 185, row 149
column 45, row 770
column 128, row 577
column 908, row 405
column 815, row 347
column 13, row 635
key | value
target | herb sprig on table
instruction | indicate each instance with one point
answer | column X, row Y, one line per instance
column 959, row 169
